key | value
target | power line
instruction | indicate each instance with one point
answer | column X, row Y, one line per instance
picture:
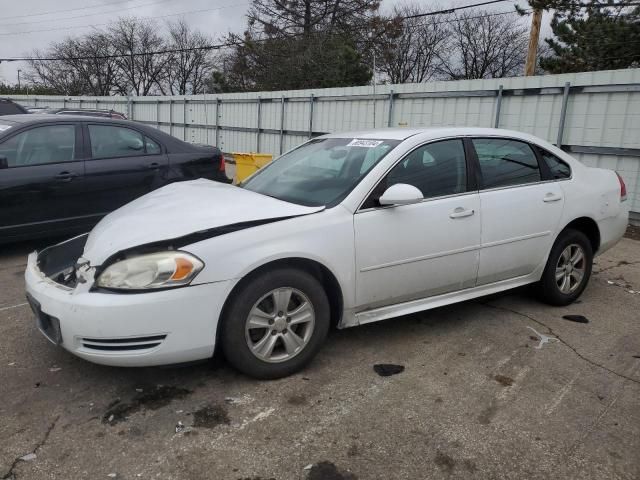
column 64, row 11
column 205, row 47
column 455, row 9
column 87, row 14
column 142, row 18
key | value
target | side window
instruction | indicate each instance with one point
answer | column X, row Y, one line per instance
column 558, row 168
column 436, row 169
column 108, row 141
column 152, row 147
column 40, row 145
column 9, row 108
column 505, row 162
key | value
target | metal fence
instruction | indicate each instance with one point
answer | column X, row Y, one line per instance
column 595, row 116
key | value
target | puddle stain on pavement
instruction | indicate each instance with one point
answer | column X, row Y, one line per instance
column 210, row 416
column 152, row 399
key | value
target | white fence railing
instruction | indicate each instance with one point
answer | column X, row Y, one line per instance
column 595, row 115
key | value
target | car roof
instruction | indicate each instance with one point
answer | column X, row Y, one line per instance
column 47, row 118
column 427, row 132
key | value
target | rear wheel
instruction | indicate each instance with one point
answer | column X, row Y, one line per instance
column 568, row 268
column 276, row 323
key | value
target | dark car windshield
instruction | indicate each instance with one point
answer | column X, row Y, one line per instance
column 320, row 172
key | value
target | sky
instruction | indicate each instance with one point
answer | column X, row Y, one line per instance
column 33, row 24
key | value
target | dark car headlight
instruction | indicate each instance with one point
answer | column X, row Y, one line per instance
column 151, row 271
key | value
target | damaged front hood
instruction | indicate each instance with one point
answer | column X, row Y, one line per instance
column 180, row 210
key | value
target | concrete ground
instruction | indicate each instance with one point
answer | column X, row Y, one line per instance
column 481, row 396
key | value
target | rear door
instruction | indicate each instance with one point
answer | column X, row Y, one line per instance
column 520, row 208
column 42, row 188
column 124, row 164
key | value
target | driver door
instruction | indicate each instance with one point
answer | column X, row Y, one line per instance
column 407, row 252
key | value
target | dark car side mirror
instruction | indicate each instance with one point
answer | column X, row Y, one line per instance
column 4, row 162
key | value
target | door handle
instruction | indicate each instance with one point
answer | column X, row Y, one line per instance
column 65, row 176
column 551, row 197
column 153, row 166
column 461, row 213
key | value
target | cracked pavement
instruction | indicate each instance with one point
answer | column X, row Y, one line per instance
column 476, row 398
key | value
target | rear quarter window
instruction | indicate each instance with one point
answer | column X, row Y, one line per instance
column 557, row 167
column 10, row 108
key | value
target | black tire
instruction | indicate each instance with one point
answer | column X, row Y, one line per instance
column 233, row 336
column 549, row 290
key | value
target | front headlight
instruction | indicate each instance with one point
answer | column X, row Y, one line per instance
column 155, row 270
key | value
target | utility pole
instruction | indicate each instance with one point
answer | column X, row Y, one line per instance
column 19, row 79
column 534, row 36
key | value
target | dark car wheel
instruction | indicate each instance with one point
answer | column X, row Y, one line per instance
column 275, row 324
column 568, row 268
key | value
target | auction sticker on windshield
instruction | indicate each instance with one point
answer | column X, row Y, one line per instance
column 364, row 143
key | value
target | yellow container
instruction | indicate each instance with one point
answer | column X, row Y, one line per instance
column 248, row 163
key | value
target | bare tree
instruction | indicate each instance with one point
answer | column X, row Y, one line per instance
column 484, row 46
column 135, row 40
column 411, row 49
column 190, row 67
column 55, row 75
column 84, row 66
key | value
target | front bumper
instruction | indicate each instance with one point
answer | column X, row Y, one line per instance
column 127, row 329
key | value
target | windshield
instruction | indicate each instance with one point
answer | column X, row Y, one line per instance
column 321, row 172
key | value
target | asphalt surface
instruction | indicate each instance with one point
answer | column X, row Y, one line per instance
column 480, row 396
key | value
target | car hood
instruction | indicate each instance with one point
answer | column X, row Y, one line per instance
column 180, row 210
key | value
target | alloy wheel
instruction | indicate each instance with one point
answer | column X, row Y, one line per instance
column 280, row 325
column 570, row 269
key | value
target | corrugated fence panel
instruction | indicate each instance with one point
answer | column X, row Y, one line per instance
column 602, row 111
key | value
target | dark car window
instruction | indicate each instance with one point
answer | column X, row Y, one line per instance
column 436, row 169
column 109, row 141
column 505, row 162
column 152, row 147
column 48, row 144
column 558, row 168
column 10, row 108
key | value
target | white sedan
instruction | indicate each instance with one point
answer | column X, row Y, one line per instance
column 345, row 229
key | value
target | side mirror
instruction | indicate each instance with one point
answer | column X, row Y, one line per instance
column 401, row 194
column 136, row 144
column 4, row 162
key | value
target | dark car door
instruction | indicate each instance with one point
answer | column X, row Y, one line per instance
column 41, row 186
column 124, row 164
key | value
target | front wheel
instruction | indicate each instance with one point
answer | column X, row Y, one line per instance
column 568, row 268
column 276, row 323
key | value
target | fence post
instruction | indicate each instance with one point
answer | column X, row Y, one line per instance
column 496, row 122
column 206, row 119
column 158, row 113
column 129, row 107
column 218, row 105
column 390, row 119
column 282, row 125
column 80, row 103
column 184, row 119
column 171, row 116
column 259, row 124
column 563, row 113
column 311, row 102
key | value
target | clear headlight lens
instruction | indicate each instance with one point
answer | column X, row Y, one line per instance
column 155, row 270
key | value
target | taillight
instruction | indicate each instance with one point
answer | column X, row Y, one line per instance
column 222, row 167
column 623, row 188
